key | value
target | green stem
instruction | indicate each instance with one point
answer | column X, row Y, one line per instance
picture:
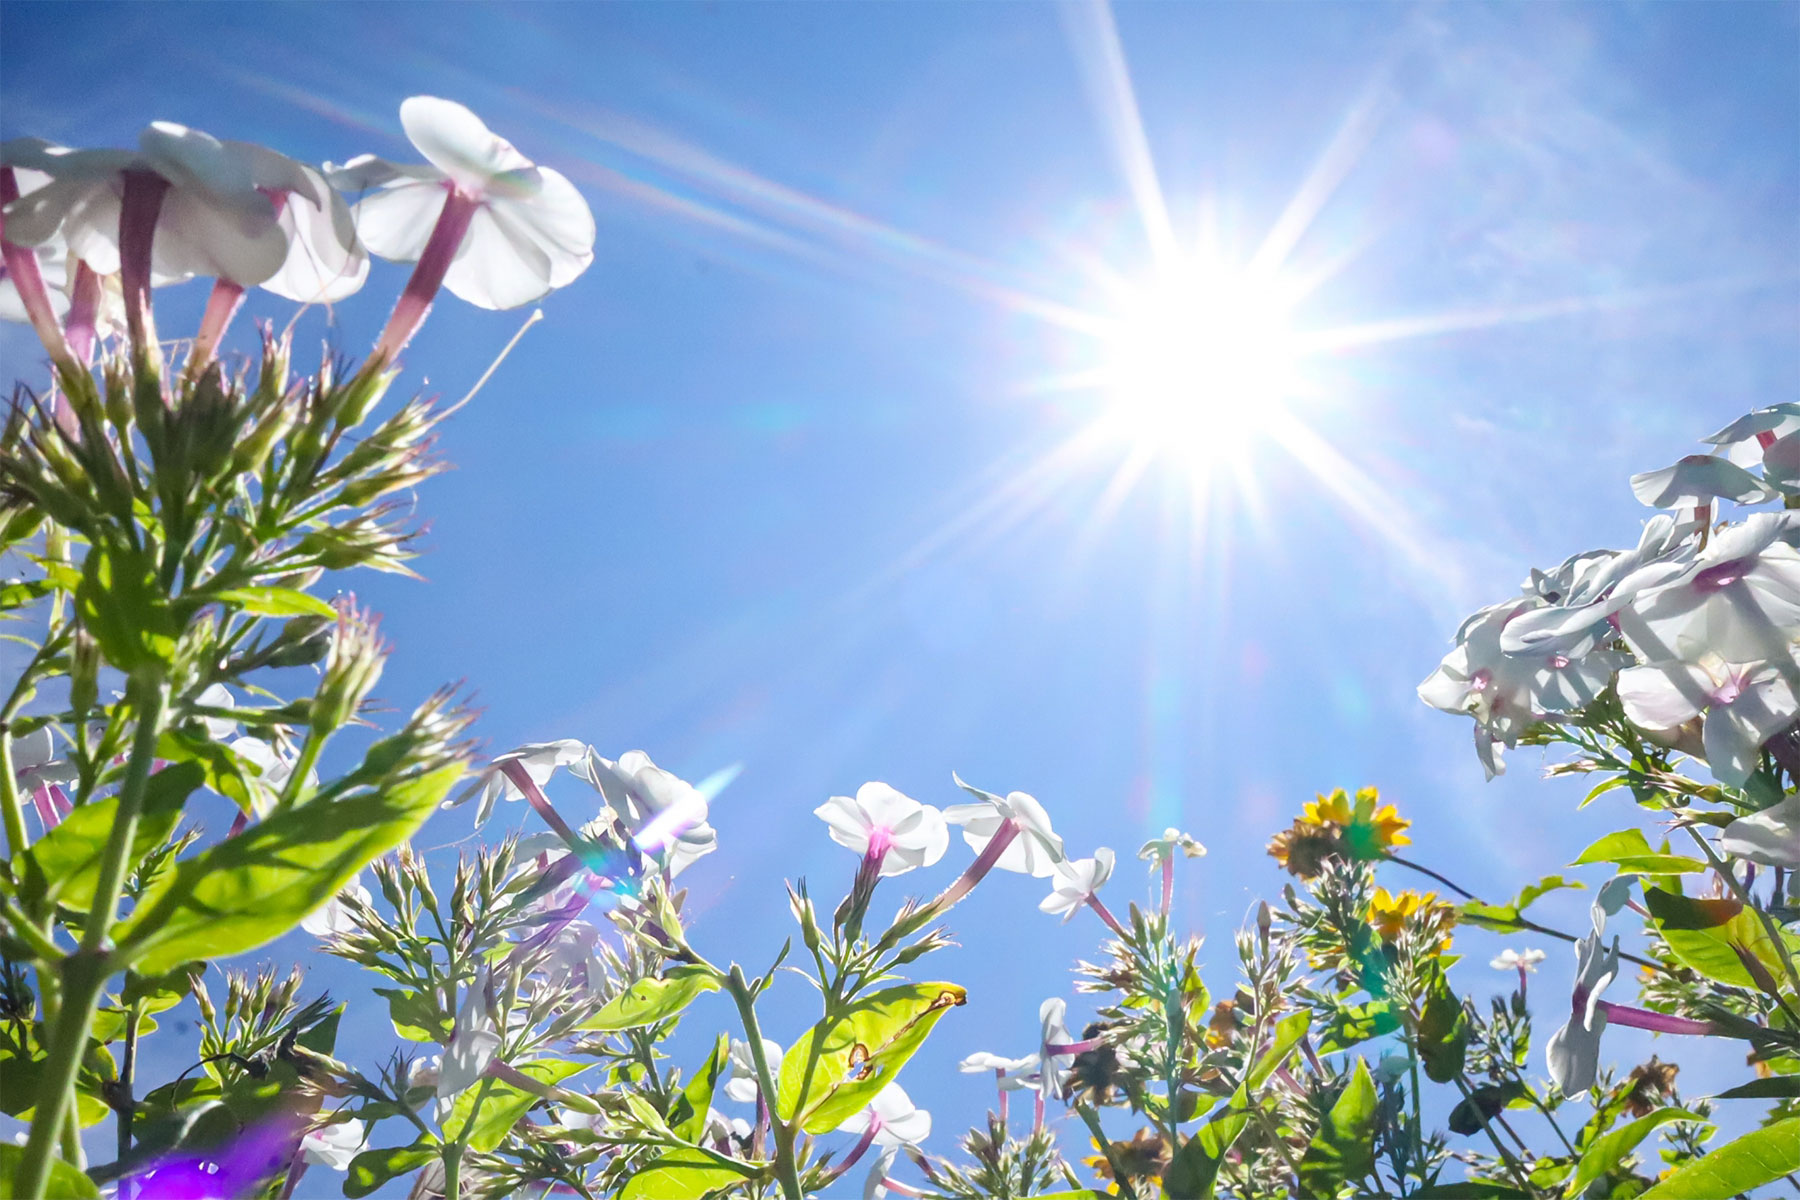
column 453, row 1171
column 26, row 930
column 1120, row 1176
column 9, row 798
column 784, row 1131
column 84, row 973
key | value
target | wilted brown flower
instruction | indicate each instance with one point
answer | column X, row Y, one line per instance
column 1651, row 1084
column 1303, row 849
column 1145, row 1156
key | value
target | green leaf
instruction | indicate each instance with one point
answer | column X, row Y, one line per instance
column 224, row 775
column 158, row 993
column 689, row 1120
column 1343, row 1150
column 250, row 889
column 64, row 864
column 372, row 1168
column 860, row 1053
column 1631, row 851
column 491, row 1108
column 276, row 602
column 1506, row 917
column 415, row 1017
column 651, row 1000
column 1779, row 1087
column 1759, row 1157
column 65, row 1182
column 122, row 605
column 1706, row 935
column 686, row 1174
column 1443, row 1032
column 1288, row 1032
column 1606, row 1152
column 1354, row 1023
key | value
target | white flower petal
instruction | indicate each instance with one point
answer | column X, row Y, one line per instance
column 457, row 142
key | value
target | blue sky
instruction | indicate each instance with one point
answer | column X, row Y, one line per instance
column 777, row 483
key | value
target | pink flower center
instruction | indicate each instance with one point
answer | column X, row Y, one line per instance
column 1728, row 691
column 1720, row 576
column 1558, row 661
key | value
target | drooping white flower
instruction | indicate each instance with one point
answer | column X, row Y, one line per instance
column 1738, row 599
column 1075, row 883
column 473, row 1044
column 524, row 228
column 897, row 1121
column 909, row 833
column 1573, row 1052
column 665, row 816
column 540, row 760
column 1034, row 850
column 739, row 1082
column 1514, row 960
column 333, row 1145
column 1770, row 837
column 1699, row 479
column 1745, row 440
column 333, row 917
column 1744, row 706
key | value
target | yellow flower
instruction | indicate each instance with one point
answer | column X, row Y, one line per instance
column 1390, row 913
column 1330, row 810
column 1389, row 826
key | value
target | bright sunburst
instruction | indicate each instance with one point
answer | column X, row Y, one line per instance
column 1198, row 363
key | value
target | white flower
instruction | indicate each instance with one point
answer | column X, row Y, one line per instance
column 1738, row 599
column 899, row 1123
column 269, row 771
column 1573, row 1053
column 35, row 764
column 572, row 960
column 217, row 219
column 1770, row 837
column 1611, row 897
column 1166, row 846
column 1506, row 693
column 981, row 1061
column 1075, row 883
column 1590, row 588
column 333, row 1145
column 423, row 1071
column 530, row 230
column 914, row 834
column 333, row 917
column 740, row 1069
column 217, row 695
column 1053, row 1032
column 721, row 1128
column 665, row 816
column 540, row 760
column 1513, row 960
column 472, row 1046
column 1745, row 439
column 875, row 1182
column 1744, row 706
column 1699, row 479
column 1034, row 851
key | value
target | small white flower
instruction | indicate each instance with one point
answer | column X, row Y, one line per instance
column 269, row 771
column 1075, row 883
column 540, row 760
column 1770, row 837
column 913, row 834
column 423, row 1071
column 900, row 1123
column 665, row 816
column 572, row 959
column 981, row 1061
column 530, row 230
column 217, row 695
column 1745, row 704
column 1171, row 842
column 740, row 1069
column 333, row 917
column 472, row 1046
column 1035, row 851
column 333, row 1145
column 1514, row 960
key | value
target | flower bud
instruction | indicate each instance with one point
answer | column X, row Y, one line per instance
column 352, row 665
column 84, row 673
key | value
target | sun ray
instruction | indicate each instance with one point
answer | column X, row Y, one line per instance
column 1094, row 38
column 1340, row 156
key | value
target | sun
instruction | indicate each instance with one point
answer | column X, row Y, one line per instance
column 1198, row 363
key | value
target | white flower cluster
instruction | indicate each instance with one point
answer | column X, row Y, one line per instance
column 1695, row 627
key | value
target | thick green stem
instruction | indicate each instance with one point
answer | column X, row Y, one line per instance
column 9, row 799
column 84, row 973
column 785, row 1168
